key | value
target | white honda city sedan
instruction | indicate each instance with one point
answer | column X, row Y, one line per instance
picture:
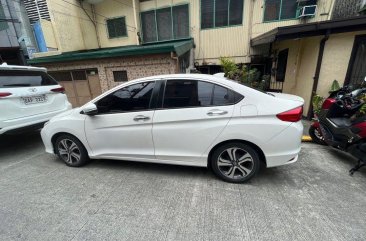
column 184, row 119
column 28, row 98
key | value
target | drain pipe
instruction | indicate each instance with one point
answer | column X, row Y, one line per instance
column 317, row 71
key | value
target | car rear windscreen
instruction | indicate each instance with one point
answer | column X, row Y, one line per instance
column 21, row 78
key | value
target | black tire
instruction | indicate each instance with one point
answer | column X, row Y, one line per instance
column 68, row 148
column 240, row 166
column 314, row 134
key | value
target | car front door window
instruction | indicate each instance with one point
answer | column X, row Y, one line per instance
column 135, row 97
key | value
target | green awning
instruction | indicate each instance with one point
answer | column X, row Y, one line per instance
column 179, row 47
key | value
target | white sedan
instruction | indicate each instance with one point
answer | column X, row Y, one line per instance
column 184, row 119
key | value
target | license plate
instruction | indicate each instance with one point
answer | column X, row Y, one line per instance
column 29, row 100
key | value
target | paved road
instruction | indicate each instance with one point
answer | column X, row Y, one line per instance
column 42, row 199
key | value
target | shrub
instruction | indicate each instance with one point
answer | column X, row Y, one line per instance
column 244, row 75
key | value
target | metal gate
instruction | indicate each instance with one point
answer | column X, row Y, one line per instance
column 356, row 72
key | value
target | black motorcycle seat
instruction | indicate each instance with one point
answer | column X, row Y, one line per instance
column 359, row 120
column 341, row 122
column 363, row 147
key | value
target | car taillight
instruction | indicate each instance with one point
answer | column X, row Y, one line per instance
column 59, row 90
column 4, row 94
column 293, row 115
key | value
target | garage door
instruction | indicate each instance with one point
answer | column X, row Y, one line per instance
column 80, row 86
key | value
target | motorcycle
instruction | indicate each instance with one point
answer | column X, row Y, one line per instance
column 314, row 130
column 338, row 128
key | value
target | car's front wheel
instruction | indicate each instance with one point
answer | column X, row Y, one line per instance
column 235, row 162
column 69, row 149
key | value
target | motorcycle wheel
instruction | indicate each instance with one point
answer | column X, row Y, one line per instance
column 316, row 136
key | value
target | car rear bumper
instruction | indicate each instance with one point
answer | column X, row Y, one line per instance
column 284, row 148
column 16, row 125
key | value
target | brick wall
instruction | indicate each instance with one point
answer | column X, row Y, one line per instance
column 136, row 67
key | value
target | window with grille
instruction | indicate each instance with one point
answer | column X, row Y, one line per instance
column 280, row 10
column 117, row 27
column 78, row 75
column 3, row 23
column 61, row 75
column 281, row 65
column 221, row 13
column 165, row 24
column 120, row 76
column 37, row 10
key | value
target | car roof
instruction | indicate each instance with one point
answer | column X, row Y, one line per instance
column 5, row 66
column 215, row 79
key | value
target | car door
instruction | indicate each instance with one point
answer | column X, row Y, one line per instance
column 122, row 127
column 192, row 115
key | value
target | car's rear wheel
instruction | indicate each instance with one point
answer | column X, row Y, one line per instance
column 235, row 162
column 70, row 150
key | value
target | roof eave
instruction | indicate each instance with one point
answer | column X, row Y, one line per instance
column 178, row 48
column 311, row 29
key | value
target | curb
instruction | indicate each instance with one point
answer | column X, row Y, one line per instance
column 306, row 139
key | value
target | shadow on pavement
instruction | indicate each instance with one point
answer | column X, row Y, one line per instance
column 174, row 170
column 17, row 141
column 151, row 168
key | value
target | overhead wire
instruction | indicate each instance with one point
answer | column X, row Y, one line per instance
column 105, row 17
column 62, row 13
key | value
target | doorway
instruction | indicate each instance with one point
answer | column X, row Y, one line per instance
column 356, row 72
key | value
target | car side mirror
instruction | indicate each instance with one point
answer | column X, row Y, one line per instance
column 89, row 109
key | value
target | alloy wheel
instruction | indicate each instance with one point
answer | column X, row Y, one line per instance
column 235, row 163
column 69, row 151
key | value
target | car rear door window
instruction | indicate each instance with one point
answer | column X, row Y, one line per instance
column 194, row 93
column 135, row 97
column 187, row 93
column 13, row 79
column 223, row 96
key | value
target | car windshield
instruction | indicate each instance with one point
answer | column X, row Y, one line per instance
column 21, row 78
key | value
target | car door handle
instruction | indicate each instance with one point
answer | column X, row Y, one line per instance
column 217, row 112
column 141, row 117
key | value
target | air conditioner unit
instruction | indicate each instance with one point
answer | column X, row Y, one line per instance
column 306, row 11
column 363, row 7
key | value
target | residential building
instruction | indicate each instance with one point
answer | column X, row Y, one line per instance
column 16, row 38
column 118, row 40
column 306, row 58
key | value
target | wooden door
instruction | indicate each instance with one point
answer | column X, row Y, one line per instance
column 82, row 91
column 70, row 92
column 94, row 85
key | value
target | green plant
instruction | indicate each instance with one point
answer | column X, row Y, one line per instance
column 231, row 70
column 362, row 110
column 335, row 86
column 244, row 75
column 317, row 102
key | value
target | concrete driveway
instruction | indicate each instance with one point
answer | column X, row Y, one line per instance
column 42, row 199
